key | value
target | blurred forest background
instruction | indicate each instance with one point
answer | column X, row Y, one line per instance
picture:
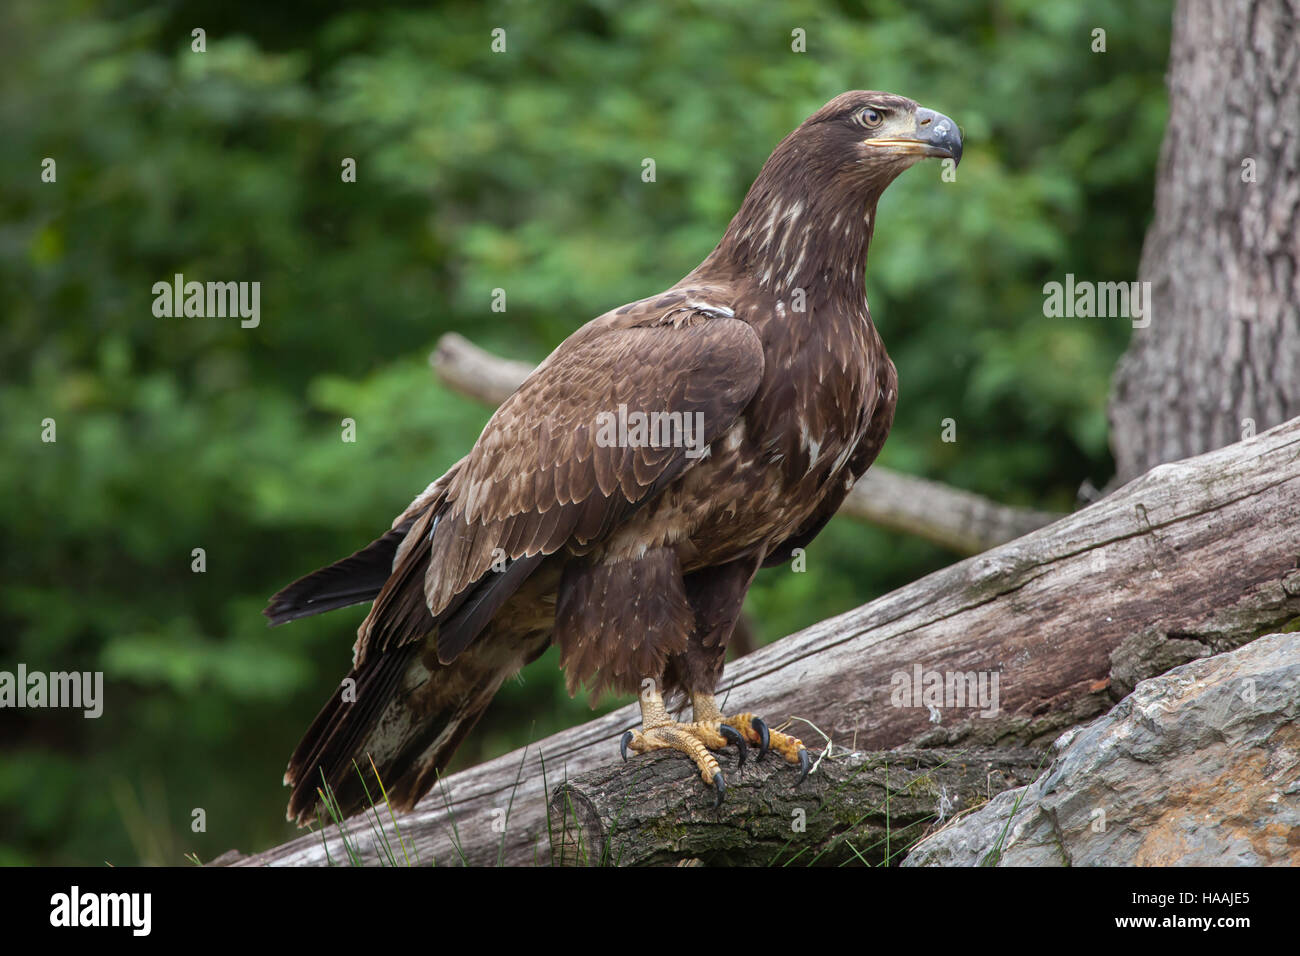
column 475, row 170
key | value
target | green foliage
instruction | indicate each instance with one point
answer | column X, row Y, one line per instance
column 476, row 171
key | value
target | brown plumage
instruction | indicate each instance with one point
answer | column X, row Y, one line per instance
column 633, row 557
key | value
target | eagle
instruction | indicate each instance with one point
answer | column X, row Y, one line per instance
column 619, row 503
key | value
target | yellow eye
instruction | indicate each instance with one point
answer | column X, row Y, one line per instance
column 869, row 117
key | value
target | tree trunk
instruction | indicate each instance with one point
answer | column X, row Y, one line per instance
column 1194, row 558
column 1220, row 359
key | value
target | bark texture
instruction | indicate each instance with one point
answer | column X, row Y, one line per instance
column 1220, row 358
column 867, row 808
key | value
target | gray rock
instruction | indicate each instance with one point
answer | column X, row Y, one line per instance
column 1197, row 767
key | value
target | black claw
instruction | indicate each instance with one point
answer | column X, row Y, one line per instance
column 805, row 764
column 622, row 745
column 763, row 738
column 734, row 736
column 720, row 787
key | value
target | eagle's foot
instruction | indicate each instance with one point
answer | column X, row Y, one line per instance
column 754, row 730
column 757, row 732
column 711, row 731
column 696, row 740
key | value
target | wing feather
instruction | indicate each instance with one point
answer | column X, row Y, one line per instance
column 538, row 479
column 541, row 476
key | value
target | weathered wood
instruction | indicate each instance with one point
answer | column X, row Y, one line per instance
column 477, row 373
column 859, row 807
column 961, row 521
column 1193, row 558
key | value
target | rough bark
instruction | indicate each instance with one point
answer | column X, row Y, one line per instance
column 859, row 807
column 1192, row 559
column 1220, row 358
column 961, row 521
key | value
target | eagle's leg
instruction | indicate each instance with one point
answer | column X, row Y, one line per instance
column 754, row 730
column 660, row 732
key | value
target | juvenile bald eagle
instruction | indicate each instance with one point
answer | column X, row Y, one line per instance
column 632, row 547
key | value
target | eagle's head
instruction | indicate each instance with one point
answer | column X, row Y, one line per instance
column 863, row 139
column 809, row 215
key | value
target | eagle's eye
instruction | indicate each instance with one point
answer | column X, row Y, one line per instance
column 870, row 118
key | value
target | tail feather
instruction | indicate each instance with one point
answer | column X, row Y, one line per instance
column 402, row 706
column 336, row 737
column 356, row 579
column 405, row 717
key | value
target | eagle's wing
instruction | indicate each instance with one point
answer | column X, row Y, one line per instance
column 542, row 476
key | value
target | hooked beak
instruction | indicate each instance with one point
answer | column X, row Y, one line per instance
column 935, row 135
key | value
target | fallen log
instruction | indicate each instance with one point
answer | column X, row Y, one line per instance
column 959, row 520
column 866, row 808
column 1005, row 649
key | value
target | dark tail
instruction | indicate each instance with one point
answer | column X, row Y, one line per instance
column 401, row 706
column 357, row 578
column 399, row 714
